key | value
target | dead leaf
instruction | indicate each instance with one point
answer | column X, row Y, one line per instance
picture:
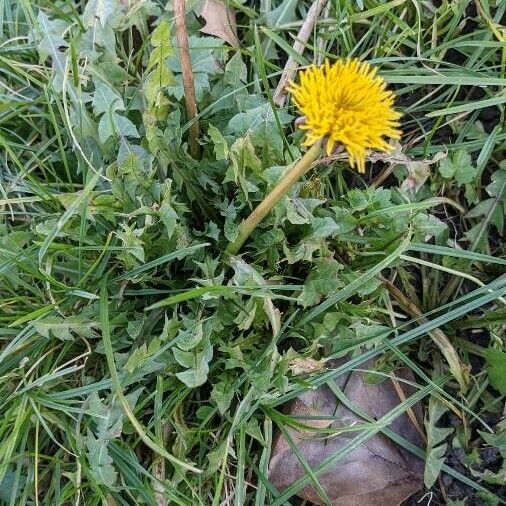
column 300, row 365
column 220, row 21
column 377, row 473
column 418, row 170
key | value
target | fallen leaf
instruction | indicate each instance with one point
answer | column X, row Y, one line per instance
column 419, row 171
column 220, row 21
column 376, row 473
column 300, row 365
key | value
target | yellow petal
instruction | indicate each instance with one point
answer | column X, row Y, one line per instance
column 348, row 103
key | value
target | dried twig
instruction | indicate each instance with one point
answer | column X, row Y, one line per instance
column 291, row 65
column 384, row 174
column 188, row 85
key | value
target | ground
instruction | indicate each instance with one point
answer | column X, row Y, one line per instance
column 142, row 364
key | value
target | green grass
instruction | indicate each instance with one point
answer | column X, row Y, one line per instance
column 141, row 365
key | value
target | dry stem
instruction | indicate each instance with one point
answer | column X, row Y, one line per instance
column 291, row 65
column 188, row 85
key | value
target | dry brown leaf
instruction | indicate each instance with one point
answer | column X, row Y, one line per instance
column 377, row 473
column 300, row 365
column 220, row 21
column 418, row 170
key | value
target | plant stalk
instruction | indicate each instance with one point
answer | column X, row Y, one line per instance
column 187, row 73
column 263, row 209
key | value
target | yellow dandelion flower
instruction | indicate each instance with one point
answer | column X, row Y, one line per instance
column 346, row 103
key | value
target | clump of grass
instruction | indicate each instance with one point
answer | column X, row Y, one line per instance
column 139, row 364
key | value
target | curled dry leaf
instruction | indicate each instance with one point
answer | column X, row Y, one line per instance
column 418, row 170
column 376, row 473
column 220, row 21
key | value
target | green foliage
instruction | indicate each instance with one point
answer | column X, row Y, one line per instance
column 66, row 328
column 493, row 208
column 108, row 426
column 458, row 167
column 435, row 435
column 496, row 368
column 160, row 76
column 97, row 186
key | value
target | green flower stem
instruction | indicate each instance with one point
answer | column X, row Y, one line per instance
column 263, row 209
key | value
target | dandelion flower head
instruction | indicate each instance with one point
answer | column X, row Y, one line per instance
column 346, row 103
